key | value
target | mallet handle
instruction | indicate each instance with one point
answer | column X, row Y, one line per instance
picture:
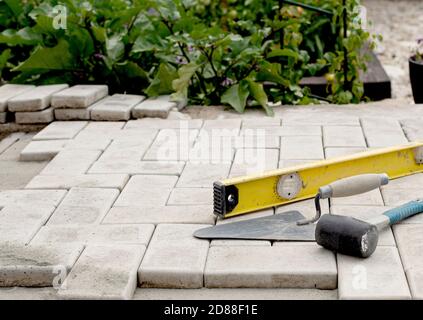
column 405, row 211
column 353, row 185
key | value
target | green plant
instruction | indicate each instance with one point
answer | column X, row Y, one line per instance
column 232, row 52
column 418, row 53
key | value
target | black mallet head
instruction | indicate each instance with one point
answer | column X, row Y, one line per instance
column 347, row 235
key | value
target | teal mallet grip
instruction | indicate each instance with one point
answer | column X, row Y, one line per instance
column 405, row 211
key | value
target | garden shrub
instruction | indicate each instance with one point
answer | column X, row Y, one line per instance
column 238, row 53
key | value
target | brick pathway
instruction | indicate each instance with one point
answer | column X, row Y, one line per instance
column 106, row 207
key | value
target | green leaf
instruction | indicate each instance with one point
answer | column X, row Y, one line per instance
column 4, row 57
column 181, row 84
column 162, row 82
column 25, row 36
column 284, row 53
column 236, row 96
column 115, row 47
column 15, row 6
column 46, row 59
column 258, row 93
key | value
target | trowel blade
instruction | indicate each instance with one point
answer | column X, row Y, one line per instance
column 278, row 227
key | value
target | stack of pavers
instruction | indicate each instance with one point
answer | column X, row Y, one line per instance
column 46, row 103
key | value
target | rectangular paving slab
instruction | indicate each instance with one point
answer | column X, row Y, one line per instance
column 115, row 108
column 8, row 91
column 253, row 161
column 84, row 206
column 380, row 276
column 104, row 272
column 201, row 214
column 154, row 123
column 24, row 221
column 301, row 148
column 202, row 175
column 10, row 140
column 36, row 266
column 71, row 161
column 285, row 266
column 154, row 108
column 174, row 258
column 145, row 190
column 69, row 114
column 31, row 197
column 79, row 96
column 95, row 234
column 382, row 132
column 60, row 130
column 134, row 167
column 343, row 136
column 35, row 100
column 114, row 181
column 42, row 150
column 35, row 117
column 191, row 196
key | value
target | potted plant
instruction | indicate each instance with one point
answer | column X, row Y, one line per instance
column 416, row 72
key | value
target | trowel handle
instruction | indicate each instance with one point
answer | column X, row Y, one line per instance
column 353, row 185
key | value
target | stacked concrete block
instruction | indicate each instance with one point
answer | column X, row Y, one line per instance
column 156, row 107
column 34, row 106
column 74, row 103
column 115, row 108
column 7, row 92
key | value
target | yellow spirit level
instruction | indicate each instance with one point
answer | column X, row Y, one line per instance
column 241, row 195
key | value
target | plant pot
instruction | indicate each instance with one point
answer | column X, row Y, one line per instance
column 416, row 79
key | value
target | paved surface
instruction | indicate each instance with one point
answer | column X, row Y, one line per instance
column 110, row 209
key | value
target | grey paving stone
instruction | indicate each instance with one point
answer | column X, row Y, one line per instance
column 68, row 114
column 233, row 294
column 174, row 258
column 115, row 108
column 171, row 144
column 79, row 96
column 202, row 175
column 260, row 122
column 253, row 161
column 380, row 276
column 8, row 91
column 319, row 118
column 31, row 197
column 299, row 130
column 105, row 129
column 231, row 124
column 95, row 234
column 413, row 181
column 256, row 139
column 12, row 153
column 146, row 190
column 15, row 174
column 44, row 116
column 287, row 266
column 332, row 152
column 35, row 100
column 301, row 148
column 286, row 163
column 163, row 124
column 214, row 148
column 382, row 132
column 134, row 167
column 114, row 181
column 104, row 272
column 413, row 129
column 10, row 140
column 3, row 117
column 41, row 150
column 232, row 243
column 365, row 213
column 371, row 198
column 84, row 206
column 409, row 241
column 401, row 196
column 153, row 107
column 22, row 293
column 343, row 136
column 60, row 130
column 128, row 148
column 199, row 214
column 71, row 161
column 23, row 221
column 190, row 196
column 35, row 266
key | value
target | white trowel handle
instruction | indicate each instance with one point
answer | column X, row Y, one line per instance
column 353, row 185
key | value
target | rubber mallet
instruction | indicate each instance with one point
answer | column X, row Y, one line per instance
column 356, row 237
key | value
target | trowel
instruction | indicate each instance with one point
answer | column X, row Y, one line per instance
column 292, row 225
